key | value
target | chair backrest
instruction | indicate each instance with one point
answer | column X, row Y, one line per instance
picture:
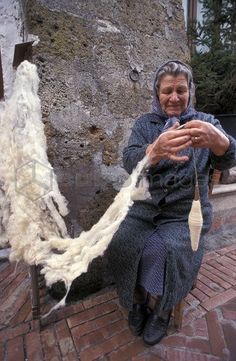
column 215, row 179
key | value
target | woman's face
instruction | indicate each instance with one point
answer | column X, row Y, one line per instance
column 173, row 94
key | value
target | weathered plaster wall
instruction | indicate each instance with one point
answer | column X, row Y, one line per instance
column 10, row 34
column 86, row 55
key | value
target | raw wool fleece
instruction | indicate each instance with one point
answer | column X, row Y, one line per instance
column 33, row 216
column 34, row 227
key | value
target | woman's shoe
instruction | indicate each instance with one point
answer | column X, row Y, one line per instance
column 156, row 327
column 137, row 318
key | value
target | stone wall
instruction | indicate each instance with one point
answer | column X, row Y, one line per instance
column 96, row 61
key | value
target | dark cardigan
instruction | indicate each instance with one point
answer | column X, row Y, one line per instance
column 172, row 193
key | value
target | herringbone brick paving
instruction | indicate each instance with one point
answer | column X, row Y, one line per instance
column 96, row 328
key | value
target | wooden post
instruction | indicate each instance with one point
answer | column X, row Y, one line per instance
column 35, row 292
column 178, row 315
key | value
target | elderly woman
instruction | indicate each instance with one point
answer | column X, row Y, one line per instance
column 151, row 252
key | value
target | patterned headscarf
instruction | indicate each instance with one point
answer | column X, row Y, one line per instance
column 156, row 107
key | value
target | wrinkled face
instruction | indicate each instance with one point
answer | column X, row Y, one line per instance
column 173, row 94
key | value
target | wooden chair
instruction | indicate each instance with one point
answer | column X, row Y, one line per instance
column 179, row 308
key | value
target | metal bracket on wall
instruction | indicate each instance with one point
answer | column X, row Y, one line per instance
column 23, row 51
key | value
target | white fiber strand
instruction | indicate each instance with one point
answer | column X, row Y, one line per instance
column 35, row 227
column 93, row 243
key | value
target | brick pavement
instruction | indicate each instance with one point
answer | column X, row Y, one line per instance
column 96, row 328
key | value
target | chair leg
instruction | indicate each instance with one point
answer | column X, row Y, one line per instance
column 194, row 284
column 35, row 292
column 178, row 315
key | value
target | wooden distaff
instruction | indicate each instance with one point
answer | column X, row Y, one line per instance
column 195, row 220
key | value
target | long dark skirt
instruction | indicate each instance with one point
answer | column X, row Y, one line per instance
column 151, row 269
column 181, row 263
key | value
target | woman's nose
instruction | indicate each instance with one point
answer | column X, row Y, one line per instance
column 174, row 97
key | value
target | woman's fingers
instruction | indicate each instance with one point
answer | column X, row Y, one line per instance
column 179, row 148
column 165, row 145
column 182, row 139
column 200, row 132
column 178, row 158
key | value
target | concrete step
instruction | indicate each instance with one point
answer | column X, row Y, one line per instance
column 223, row 230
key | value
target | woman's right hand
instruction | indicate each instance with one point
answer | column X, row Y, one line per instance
column 169, row 144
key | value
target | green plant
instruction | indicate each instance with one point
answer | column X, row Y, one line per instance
column 214, row 58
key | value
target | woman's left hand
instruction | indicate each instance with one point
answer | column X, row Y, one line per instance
column 206, row 135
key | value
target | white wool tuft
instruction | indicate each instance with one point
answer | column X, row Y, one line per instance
column 28, row 186
column 29, row 182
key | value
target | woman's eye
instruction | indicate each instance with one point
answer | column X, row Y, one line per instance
column 181, row 91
